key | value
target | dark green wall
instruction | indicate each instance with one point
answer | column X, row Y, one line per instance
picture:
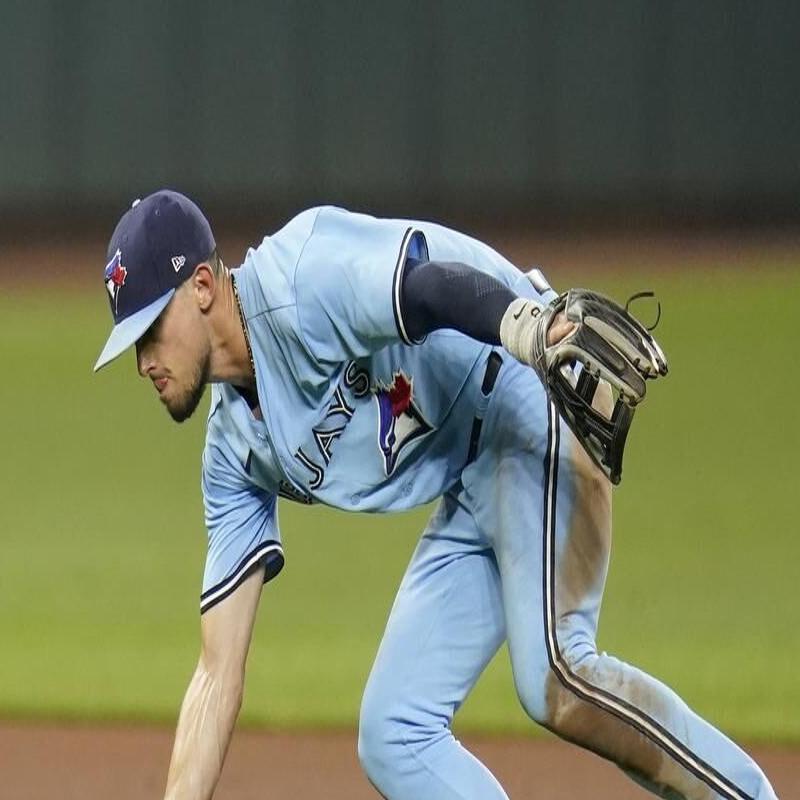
column 651, row 108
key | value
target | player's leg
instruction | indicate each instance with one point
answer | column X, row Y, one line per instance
column 445, row 626
column 551, row 509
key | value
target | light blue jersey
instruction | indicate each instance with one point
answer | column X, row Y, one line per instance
column 355, row 414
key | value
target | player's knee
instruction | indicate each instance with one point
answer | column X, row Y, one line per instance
column 546, row 700
column 558, row 706
column 543, row 693
column 373, row 757
column 389, row 736
column 377, row 745
column 530, row 686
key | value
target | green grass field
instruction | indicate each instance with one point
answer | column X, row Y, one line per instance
column 103, row 539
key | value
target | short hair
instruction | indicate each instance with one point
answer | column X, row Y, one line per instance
column 215, row 262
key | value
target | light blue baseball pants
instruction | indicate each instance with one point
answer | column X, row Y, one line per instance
column 519, row 551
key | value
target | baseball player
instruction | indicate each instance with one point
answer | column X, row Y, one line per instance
column 375, row 365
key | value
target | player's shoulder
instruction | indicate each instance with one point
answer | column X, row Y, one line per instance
column 282, row 249
column 331, row 220
column 305, row 223
column 266, row 275
column 291, row 237
column 326, row 222
column 324, row 239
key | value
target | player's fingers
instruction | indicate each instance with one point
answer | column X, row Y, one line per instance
column 559, row 329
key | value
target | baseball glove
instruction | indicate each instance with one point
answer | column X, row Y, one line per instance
column 607, row 343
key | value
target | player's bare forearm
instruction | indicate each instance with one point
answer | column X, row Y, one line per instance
column 212, row 701
column 206, row 722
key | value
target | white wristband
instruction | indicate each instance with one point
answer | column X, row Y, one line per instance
column 519, row 328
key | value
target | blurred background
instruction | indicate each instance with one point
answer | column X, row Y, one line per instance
column 523, row 111
column 626, row 145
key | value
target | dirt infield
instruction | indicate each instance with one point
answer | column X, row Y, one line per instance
column 130, row 763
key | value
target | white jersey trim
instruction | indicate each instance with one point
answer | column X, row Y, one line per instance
column 221, row 590
column 397, row 284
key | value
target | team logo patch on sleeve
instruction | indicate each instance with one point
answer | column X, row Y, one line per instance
column 400, row 422
column 114, row 277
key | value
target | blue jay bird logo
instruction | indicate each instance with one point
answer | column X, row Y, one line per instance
column 400, row 422
column 114, row 277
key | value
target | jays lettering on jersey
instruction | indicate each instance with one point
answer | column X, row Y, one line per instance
column 355, row 414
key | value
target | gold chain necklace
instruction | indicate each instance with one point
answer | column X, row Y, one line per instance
column 244, row 327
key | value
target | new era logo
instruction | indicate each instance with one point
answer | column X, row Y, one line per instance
column 178, row 262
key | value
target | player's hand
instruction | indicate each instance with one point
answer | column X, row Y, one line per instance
column 559, row 329
column 585, row 328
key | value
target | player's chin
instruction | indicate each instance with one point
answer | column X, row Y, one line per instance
column 181, row 408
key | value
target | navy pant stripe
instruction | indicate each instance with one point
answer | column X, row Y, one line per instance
column 597, row 696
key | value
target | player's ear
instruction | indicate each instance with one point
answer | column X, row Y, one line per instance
column 204, row 286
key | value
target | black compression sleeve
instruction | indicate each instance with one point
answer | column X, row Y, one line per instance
column 451, row 295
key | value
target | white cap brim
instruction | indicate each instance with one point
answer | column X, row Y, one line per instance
column 131, row 329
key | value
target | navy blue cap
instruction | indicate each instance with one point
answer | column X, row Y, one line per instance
column 153, row 250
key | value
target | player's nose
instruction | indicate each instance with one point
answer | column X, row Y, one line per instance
column 144, row 360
